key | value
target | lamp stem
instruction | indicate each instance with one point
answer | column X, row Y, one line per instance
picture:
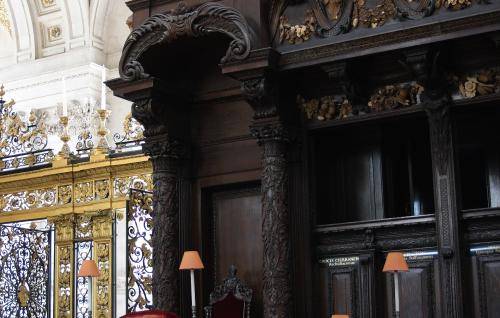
column 396, row 292
column 91, row 301
column 193, row 295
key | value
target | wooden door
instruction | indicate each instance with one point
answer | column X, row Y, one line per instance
column 236, row 238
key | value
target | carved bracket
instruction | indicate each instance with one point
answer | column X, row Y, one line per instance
column 203, row 20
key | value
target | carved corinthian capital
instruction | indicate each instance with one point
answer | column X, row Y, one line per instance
column 149, row 117
column 260, row 94
column 167, row 28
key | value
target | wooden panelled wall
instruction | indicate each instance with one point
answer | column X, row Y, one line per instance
column 399, row 166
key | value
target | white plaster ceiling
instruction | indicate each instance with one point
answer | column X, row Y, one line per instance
column 36, row 29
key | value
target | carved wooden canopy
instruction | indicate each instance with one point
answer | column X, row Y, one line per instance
column 205, row 19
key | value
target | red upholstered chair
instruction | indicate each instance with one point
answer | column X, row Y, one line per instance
column 232, row 299
column 151, row 314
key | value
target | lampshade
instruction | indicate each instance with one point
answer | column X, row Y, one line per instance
column 395, row 262
column 340, row 316
column 88, row 269
column 191, row 260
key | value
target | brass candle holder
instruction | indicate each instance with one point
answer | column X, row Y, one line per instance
column 102, row 148
column 64, row 153
column 65, row 150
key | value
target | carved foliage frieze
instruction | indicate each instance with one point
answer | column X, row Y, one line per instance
column 334, row 17
column 337, row 107
column 481, row 83
column 81, row 193
column 295, row 34
column 195, row 22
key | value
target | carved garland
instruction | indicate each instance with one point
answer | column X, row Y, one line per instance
column 166, row 28
column 335, row 17
column 335, row 107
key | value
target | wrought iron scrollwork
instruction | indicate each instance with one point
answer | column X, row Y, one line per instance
column 132, row 137
column 83, row 251
column 139, row 251
column 22, row 143
column 24, row 268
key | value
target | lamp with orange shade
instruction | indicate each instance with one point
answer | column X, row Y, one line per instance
column 191, row 261
column 395, row 263
column 89, row 269
column 340, row 316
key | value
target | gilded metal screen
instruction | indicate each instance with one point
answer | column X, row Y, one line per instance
column 24, row 272
column 139, row 251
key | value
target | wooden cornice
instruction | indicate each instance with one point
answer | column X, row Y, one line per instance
column 391, row 37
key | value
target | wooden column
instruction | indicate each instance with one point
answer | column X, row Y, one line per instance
column 272, row 135
column 426, row 65
column 447, row 219
column 167, row 150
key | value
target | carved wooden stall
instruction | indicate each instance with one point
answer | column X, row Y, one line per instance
column 368, row 126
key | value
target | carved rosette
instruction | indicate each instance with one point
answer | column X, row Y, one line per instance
column 273, row 137
column 166, row 28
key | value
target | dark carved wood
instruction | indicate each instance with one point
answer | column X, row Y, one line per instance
column 273, row 137
column 436, row 103
column 486, row 270
column 166, row 28
column 231, row 285
column 348, row 280
column 166, row 155
column 165, row 144
column 335, row 58
column 418, row 288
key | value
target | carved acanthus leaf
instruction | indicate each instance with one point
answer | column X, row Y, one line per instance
column 166, row 28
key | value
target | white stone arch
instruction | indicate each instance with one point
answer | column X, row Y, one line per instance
column 23, row 32
column 116, row 31
column 98, row 17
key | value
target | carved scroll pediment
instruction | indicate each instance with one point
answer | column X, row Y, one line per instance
column 203, row 20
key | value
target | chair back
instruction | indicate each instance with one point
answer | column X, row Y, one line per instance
column 151, row 314
column 232, row 299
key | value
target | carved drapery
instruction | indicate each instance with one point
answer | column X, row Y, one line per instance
column 166, row 28
column 272, row 136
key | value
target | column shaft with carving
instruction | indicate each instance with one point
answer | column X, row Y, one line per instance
column 102, row 236
column 272, row 136
column 447, row 220
column 64, row 265
column 166, row 154
column 427, row 67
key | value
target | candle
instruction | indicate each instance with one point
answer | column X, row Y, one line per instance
column 65, row 102
column 103, row 87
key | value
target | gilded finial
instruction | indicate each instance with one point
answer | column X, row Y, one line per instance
column 2, row 91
